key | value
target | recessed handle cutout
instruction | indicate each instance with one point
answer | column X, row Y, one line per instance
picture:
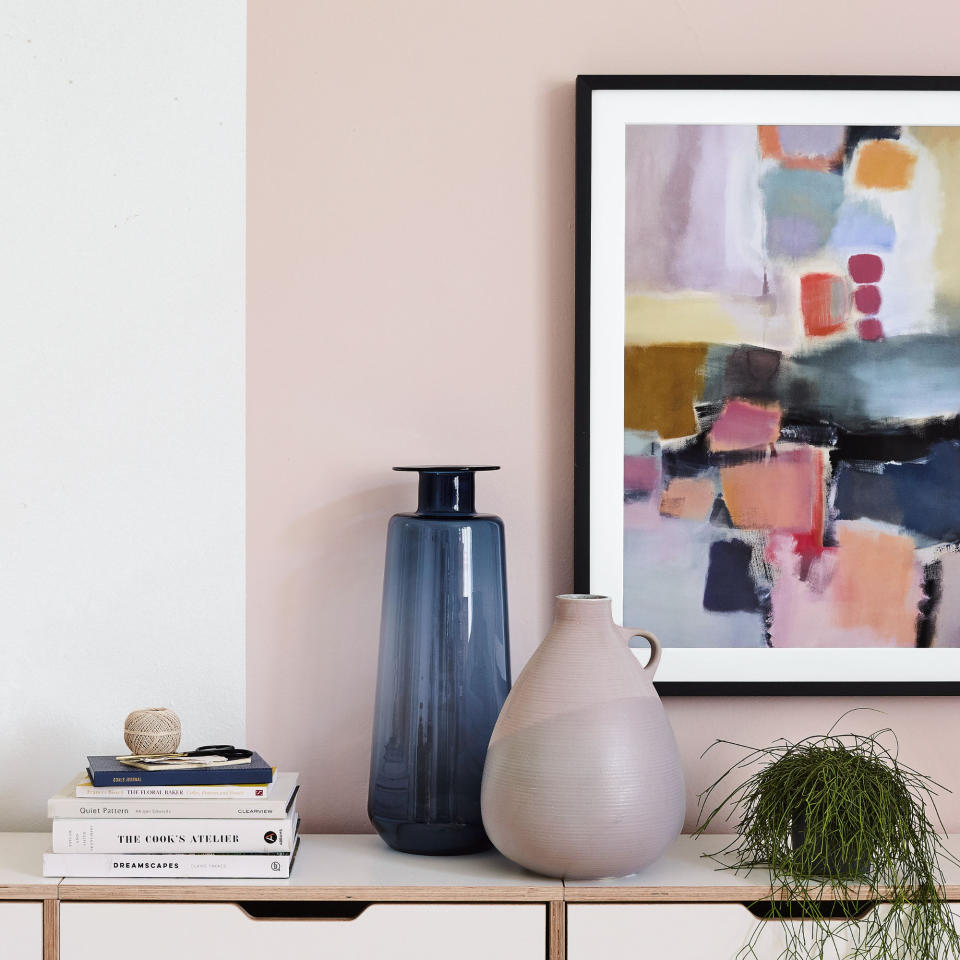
column 303, row 909
column 798, row 910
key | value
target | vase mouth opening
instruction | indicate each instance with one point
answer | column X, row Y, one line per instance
column 583, row 606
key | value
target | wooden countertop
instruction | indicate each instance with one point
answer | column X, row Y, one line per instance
column 21, row 856
column 361, row 867
column 684, row 874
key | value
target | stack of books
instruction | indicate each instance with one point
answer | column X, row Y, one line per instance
column 117, row 820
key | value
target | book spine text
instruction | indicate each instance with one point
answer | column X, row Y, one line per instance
column 234, row 792
column 195, row 866
column 79, row 808
column 158, row 836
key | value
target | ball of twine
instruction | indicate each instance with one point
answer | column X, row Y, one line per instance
column 155, row 730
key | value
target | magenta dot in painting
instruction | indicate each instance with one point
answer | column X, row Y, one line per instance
column 870, row 329
column 865, row 267
column 867, row 299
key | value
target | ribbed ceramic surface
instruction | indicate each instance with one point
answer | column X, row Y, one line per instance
column 582, row 778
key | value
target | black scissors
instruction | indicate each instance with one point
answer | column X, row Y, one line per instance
column 212, row 753
column 226, row 750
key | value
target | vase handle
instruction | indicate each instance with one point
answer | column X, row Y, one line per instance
column 654, row 661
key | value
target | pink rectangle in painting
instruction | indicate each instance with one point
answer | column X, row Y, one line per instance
column 864, row 592
column 780, row 492
column 745, row 426
column 641, row 474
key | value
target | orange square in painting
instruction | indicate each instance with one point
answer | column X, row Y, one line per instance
column 823, row 303
column 876, row 582
column 690, row 497
column 885, row 165
column 768, row 137
column 776, row 493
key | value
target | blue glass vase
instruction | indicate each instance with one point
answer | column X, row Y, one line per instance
column 444, row 667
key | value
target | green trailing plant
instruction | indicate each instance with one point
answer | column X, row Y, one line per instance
column 845, row 830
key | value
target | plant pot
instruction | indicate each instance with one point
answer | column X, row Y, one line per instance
column 821, row 856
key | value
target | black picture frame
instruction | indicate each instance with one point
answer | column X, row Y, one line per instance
column 586, row 87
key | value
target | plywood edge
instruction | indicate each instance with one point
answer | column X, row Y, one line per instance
column 610, row 894
column 263, row 891
column 51, row 930
column 695, row 894
column 29, row 891
column 556, row 931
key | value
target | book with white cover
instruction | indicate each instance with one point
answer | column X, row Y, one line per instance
column 197, row 791
column 174, row 836
column 195, row 866
column 278, row 806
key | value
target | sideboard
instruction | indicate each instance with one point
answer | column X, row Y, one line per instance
column 28, row 902
column 686, row 907
column 352, row 898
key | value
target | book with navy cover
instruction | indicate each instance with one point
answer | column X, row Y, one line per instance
column 110, row 772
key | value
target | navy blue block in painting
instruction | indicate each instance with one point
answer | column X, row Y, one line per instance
column 922, row 497
column 729, row 585
column 444, row 668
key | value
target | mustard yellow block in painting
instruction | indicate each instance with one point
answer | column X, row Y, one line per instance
column 661, row 385
column 885, row 165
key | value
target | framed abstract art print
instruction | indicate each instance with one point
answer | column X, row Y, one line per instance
column 768, row 377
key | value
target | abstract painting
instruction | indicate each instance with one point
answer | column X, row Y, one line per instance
column 791, row 385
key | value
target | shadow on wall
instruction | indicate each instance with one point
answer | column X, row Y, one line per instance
column 759, row 721
column 556, row 176
column 340, row 549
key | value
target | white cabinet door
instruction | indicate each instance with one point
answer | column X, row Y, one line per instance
column 178, row 931
column 21, row 930
column 675, row 931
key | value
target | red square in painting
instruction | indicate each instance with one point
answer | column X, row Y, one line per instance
column 867, row 299
column 870, row 328
column 865, row 267
column 823, row 302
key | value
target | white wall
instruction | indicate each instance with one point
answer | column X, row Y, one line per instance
column 121, row 379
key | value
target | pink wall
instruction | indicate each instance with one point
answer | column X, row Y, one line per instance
column 410, row 298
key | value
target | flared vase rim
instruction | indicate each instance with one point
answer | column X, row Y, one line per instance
column 596, row 598
column 440, row 468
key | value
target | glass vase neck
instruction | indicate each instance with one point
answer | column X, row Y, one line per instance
column 442, row 493
column 446, row 491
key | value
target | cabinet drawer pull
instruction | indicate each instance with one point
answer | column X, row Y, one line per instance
column 799, row 910
column 303, row 909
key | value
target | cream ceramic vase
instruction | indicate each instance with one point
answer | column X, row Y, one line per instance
column 582, row 777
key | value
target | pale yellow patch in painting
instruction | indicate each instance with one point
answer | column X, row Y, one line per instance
column 689, row 497
column 944, row 145
column 693, row 318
